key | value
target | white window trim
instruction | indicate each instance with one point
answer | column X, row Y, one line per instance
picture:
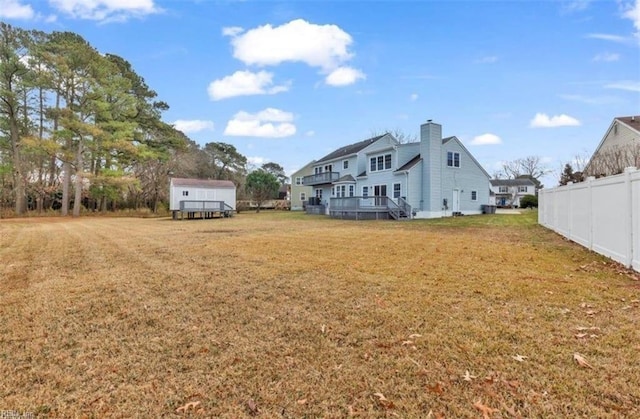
column 453, row 159
column 399, row 190
column 303, row 196
column 384, row 160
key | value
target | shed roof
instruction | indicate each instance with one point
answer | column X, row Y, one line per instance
column 203, row 183
column 408, row 165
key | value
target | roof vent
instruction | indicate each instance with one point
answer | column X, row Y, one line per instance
column 429, row 120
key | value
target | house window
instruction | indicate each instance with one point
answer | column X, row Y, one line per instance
column 503, row 189
column 317, row 170
column 319, row 193
column 352, row 189
column 328, row 168
column 453, row 159
column 185, row 193
column 303, row 196
column 345, row 164
column 474, row 195
column 298, row 180
column 379, row 163
column 365, row 191
column 522, row 189
column 396, row 190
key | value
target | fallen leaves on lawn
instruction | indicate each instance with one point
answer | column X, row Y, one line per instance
column 187, row 406
column 252, row 407
column 436, row 388
column 386, row 403
column 467, row 376
column 519, row 358
column 486, row 410
column 581, row 360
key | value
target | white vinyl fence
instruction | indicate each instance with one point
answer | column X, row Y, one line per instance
column 601, row 214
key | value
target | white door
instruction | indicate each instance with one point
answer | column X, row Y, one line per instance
column 455, row 207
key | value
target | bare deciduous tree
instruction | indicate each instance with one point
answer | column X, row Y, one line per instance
column 613, row 160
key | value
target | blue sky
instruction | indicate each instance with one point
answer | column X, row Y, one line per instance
column 289, row 82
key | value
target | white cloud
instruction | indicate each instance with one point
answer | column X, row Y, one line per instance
column 575, row 6
column 632, row 86
column 632, row 12
column 486, row 139
column 344, row 76
column 232, row 30
column 607, row 57
column 320, row 46
column 244, row 83
column 310, row 133
column 487, row 60
column 608, row 37
column 542, row 120
column 268, row 123
column 105, row 10
column 413, row 97
column 194, row 125
column 14, row 9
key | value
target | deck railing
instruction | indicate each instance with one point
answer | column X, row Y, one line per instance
column 372, row 204
column 320, row 178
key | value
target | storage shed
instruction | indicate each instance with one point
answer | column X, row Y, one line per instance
column 201, row 198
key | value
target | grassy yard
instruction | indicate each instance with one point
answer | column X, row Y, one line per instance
column 288, row 315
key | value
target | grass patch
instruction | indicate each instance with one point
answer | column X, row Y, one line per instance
column 283, row 314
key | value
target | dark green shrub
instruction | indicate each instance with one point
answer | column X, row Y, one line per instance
column 529, row 201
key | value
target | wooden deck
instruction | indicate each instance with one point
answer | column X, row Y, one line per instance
column 203, row 210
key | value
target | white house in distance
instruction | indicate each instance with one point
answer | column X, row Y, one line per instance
column 508, row 192
column 381, row 178
column 299, row 191
column 207, row 198
column 618, row 149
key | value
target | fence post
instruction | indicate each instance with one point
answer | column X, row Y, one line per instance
column 629, row 215
column 590, row 180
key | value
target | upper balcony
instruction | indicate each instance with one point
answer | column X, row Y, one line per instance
column 320, row 178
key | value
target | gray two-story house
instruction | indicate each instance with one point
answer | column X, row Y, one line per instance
column 381, row 178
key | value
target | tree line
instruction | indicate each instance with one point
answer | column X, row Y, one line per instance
column 81, row 129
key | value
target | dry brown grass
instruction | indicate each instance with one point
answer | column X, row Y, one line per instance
column 280, row 314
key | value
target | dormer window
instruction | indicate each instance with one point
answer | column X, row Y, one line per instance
column 379, row 163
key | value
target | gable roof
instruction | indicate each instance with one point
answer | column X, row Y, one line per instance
column 454, row 138
column 350, row 149
column 306, row 166
column 202, row 183
column 632, row 122
column 512, row 182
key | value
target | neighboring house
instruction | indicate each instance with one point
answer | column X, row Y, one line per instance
column 284, row 192
column 509, row 191
column 206, row 197
column 619, row 148
column 300, row 192
column 381, row 178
